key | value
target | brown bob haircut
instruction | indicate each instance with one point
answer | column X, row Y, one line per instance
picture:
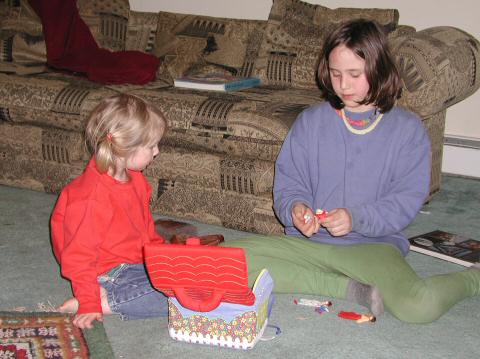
column 366, row 39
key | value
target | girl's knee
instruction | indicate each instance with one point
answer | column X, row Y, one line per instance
column 417, row 311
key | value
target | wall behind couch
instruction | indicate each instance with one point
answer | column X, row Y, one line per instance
column 463, row 119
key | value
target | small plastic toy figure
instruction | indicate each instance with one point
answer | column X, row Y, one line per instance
column 312, row 302
column 322, row 309
column 359, row 318
column 319, row 213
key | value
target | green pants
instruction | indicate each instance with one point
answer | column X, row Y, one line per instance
column 301, row 266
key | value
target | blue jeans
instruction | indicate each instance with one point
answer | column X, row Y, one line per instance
column 130, row 293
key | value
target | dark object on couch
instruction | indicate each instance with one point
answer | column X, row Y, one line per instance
column 206, row 240
column 177, row 232
column 169, row 228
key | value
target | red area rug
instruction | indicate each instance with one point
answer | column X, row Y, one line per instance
column 49, row 335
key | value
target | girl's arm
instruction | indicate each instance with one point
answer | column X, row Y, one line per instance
column 86, row 223
column 291, row 181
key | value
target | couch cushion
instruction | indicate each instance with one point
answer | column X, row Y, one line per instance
column 294, row 36
column 186, row 41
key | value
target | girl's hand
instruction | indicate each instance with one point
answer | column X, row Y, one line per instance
column 304, row 219
column 338, row 222
column 85, row 320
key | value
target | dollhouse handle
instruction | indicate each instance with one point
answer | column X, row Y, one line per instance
column 205, row 305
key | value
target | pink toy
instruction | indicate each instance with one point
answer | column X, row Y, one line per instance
column 321, row 214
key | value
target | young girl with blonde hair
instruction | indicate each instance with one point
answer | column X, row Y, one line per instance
column 102, row 218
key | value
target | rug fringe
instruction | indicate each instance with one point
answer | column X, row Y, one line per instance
column 19, row 309
column 47, row 307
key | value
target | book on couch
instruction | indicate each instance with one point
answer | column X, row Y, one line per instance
column 447, row 246
column 216, row 82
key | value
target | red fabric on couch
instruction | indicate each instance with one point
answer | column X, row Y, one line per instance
column 71, row 46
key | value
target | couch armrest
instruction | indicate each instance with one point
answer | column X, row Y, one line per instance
column 439, row 67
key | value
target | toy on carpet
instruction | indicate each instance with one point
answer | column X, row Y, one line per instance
column 359, row 318
column 320, row 306
column 210, row 301
column 312, row 302
column 322, row 309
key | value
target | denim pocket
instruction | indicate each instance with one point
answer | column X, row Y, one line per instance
column 113, row 273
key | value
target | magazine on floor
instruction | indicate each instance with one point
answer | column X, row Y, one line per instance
column 216, row 82
column 447, row 246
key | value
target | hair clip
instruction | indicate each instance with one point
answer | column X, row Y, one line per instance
column 109, row 137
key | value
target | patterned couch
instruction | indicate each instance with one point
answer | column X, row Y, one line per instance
column 216, row 163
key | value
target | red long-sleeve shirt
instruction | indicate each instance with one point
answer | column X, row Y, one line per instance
column 97, row 224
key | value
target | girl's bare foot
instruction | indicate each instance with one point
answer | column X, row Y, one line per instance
column 71, row 305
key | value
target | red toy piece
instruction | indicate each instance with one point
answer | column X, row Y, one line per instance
column 321, row 214
column 359, row 318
